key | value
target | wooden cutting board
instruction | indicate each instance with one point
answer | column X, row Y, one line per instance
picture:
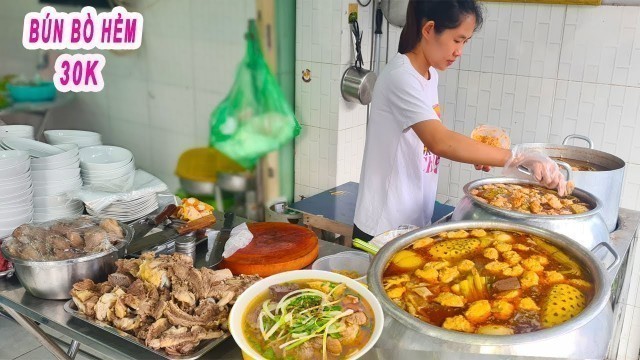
column 276, row 247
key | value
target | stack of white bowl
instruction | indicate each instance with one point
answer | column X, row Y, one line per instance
column 53, row 177
column 78, row 137
column 107, row 168
column 16, row 191
column 19, row 131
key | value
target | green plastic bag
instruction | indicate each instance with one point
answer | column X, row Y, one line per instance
column 255, row 117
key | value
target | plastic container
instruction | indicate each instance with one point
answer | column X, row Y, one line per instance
column 491, row 135
column 357, row 261
column 44, row 91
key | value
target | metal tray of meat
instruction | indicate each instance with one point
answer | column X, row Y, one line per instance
column 200, row 350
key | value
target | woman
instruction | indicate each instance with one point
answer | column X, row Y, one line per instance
column 405, row 137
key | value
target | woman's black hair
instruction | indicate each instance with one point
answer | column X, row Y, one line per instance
column 446, row 14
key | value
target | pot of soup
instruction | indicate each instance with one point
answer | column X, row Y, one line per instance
column 491, row 287
column 525, row 202
column 595, row 171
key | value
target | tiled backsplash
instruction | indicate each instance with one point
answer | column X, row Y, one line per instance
column 542, row 72
column 157, row 99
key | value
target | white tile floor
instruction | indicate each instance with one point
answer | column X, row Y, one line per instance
column 17, row 344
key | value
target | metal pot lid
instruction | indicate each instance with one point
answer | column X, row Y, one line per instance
column 578, row 253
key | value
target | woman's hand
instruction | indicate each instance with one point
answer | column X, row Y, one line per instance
column 540, row 167
column 485, row 168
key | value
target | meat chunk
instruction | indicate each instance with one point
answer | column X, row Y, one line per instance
column 357, row 318
column 430, row 275
column 490, row 253
column 112, row 227
column 449, row 299
column 478, row 312
column 532, row 264
column 528, row 304
column 458, row 323
column 465, row 265
column 513, row 271
column 496, row 266
column 333, row 346
column 279, row 291
column 511, row 257
column 529, row 279
column 448, row 274
column 502, row 310
column 507, row 284
column 96, row 240
column 121, row 280
column 424, row 242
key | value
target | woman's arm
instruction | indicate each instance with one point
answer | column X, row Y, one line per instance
column 457, row 147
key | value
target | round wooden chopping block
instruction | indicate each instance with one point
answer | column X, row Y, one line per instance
column 276, row 247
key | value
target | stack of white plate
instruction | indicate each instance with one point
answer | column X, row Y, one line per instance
column 129, row 210
column 107, row 168
column 54, row 176
column 16, row 191
column 78, row 137
column 20, row 131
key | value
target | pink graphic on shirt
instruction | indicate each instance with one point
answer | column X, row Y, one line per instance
column 431, row 162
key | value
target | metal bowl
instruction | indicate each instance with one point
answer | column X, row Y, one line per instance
column 198, row 188
column 587, row 229
column 584, row 336
column 54, row 279
column 234, row 182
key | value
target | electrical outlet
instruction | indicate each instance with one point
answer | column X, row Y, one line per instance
column 353, row 12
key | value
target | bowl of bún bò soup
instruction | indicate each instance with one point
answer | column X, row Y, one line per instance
column 306, row 314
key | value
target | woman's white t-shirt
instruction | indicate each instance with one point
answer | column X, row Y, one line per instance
column 399, row 175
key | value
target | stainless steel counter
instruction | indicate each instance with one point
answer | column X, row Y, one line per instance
column 52, row 314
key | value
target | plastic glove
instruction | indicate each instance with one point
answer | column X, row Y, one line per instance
column 542, row 168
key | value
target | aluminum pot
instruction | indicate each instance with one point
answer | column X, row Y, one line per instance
column 357, row 85
column 54, row 279
column 606, row 185
column 588, row 229
column 585, row 336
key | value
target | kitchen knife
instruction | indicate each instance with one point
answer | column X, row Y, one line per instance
column 142, row 227
column 218, row 246
column 161, row 237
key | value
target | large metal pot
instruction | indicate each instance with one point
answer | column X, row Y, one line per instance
column 588, row 229
column 585, row 336
column 606, row 185
column 54, row 279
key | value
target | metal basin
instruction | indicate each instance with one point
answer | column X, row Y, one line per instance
column 588, row 229
column 585, row 336
column 54, row 279
column 606, row 185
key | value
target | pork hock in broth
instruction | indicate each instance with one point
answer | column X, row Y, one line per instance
column 308, row 319
column 487, row 282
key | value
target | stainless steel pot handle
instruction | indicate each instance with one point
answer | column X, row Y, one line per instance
column 566, row 167
column 580, row 137
column 616, row 258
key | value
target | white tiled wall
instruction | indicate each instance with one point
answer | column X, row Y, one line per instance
column 157, row 99
column 329, row 150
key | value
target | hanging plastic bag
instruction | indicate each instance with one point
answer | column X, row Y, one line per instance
column 255, row 117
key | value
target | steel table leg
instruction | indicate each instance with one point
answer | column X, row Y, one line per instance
column 42, row 337
column 73, row 349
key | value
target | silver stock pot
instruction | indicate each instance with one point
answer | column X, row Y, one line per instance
column 588, row 229
column 605, row 182
column 586, row 336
